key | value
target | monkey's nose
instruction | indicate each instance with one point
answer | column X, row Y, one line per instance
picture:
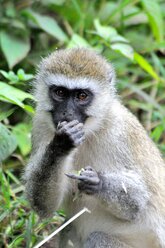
column 67, row 116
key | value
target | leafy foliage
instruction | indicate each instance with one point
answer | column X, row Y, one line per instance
column 8, row 142
column 130, row 33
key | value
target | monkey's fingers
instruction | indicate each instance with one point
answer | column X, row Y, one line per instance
column 90, row 180
column 79, row 177
column 72, row 176
column 69, row 124
column 60, row 124
column 77, row 127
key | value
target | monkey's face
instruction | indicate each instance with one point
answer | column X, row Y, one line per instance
column 66, row 99
column 69, row 104
column 76, row 84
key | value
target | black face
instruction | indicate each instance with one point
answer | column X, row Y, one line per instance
column 69, row 105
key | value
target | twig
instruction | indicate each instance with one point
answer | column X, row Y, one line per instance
column 63, row 226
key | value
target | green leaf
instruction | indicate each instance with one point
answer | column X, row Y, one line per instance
column 145, row 65
column 12, row 177
column 14, row 48
column 4, row 214
column 109, row 33
column 124, row 49
column 10, row 91
column 17, row 241
column 105, row 32
column 147, row 98
column 5, row 74
column 119, row 38
column 5, row 114
column 54, row 2
column 8, row 143
column 106, row 10
column 5, row 191
column 22, row 133
column 15, row 78
column 29, row 228
column 157, row 133
column 115, row 41
column 13, row 95
column 158, row 64
column 77, row 40
column 152, row 8
column 29, row 109
column 18, row 24
column 12, row 100
column 48, row 24
column 22, row 76
column 11, row 76
column 119, row 7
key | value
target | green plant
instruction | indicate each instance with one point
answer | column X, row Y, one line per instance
column 13, row 97
column 130, row 33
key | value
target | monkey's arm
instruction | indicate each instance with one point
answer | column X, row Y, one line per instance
column 123, row 193
column 43, row 173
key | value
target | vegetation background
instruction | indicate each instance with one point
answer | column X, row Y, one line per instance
column 130, row 33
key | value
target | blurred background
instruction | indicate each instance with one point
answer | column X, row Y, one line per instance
column 129, row 33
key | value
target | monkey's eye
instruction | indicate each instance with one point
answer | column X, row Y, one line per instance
column 60, row 92
column 82, row 96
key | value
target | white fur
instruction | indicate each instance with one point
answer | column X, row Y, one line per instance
column 72, row 83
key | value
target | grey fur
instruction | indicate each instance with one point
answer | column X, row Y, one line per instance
column 127, row 193
column 102, row 240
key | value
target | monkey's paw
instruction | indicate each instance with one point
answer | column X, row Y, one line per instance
column 73, row 130
column 90, row 183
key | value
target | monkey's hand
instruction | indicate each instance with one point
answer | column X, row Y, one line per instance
column 90, row 183
column 71, row 132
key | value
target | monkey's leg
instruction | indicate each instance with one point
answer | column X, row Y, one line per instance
column 69, row 238
column 102, row 240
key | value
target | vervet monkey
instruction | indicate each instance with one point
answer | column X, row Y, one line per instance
column 81, row 123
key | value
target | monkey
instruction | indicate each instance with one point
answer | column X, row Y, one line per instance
column 80, row 122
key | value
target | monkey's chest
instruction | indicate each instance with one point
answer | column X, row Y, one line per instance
column 98, row 158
